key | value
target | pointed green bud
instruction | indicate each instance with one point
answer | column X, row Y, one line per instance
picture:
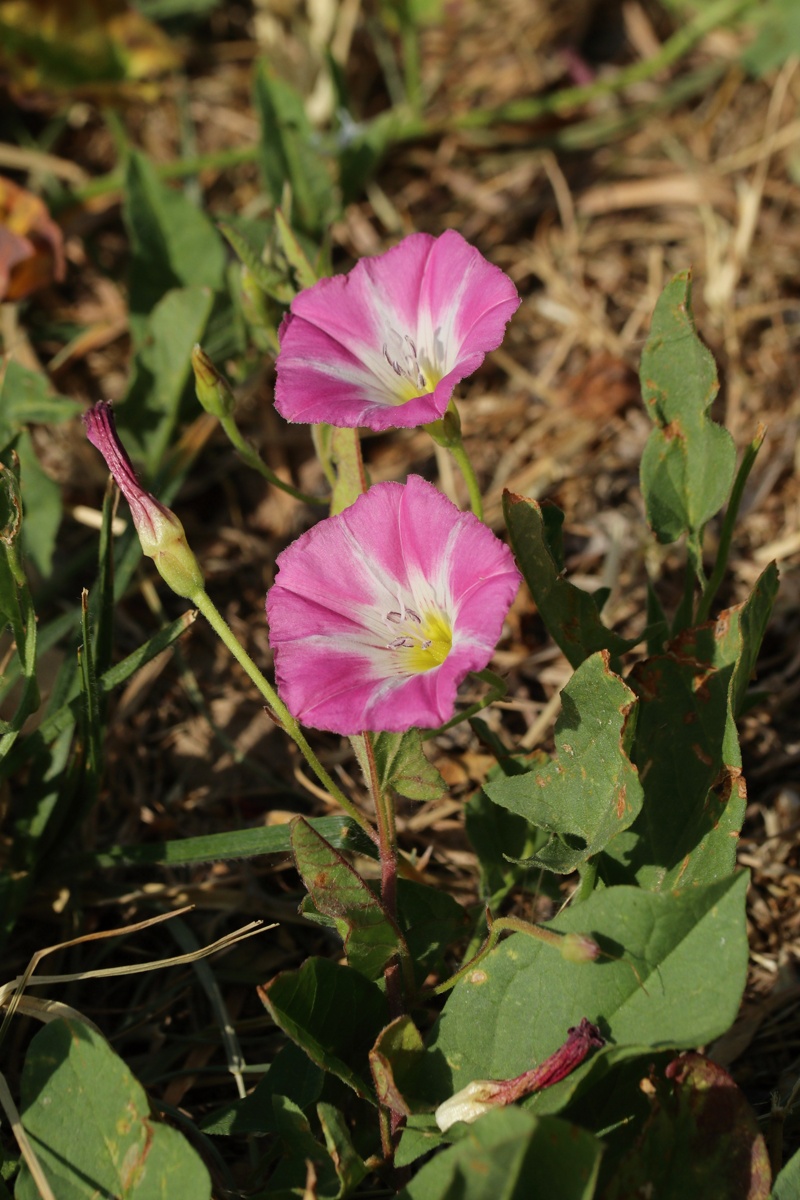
column 211, row 387
column 160, row 532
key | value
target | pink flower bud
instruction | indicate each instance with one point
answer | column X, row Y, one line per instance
column 160, row 532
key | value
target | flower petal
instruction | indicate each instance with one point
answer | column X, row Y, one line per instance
column 338, row 598
column 385, row 345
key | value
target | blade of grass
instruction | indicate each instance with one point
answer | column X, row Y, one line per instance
column 340, row 832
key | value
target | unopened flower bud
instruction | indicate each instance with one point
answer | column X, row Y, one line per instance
column 579, row 948
column 211, row 387
column 160, row 532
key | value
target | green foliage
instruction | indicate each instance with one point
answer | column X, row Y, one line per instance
column 687, row 748
column 787, row 1183
column 510, row 1154
column 778, row 36
column 688, row 462
column 671, row 976
column 119, row 1150
column 400, row 765
column 591, row 791
column 163, row 371
column 369, row 934
column 25, row 399
column 333, row 1013
column 571, row 616
column 173, row 243
column 290, row 154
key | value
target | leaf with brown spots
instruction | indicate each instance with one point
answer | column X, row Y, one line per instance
column 688, row 462
column 90, row 1122
column 591, row 791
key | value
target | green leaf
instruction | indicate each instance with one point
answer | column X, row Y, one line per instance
column 431, row 921
column 71, row 1073
column 298, row 1147
column 41, row 501
column 26, row 399
column 689, row 461
column 295, row 254
column 65, row 716
column 248, row 239
column 290, row 153
column 591, row 791
column 291, row 1074
column 673, row 978
column 369, row 934
column 787, row 1184
column 339, row 832
column 173, row 243
column 400, row 764
column 778, row 25
column 347, row 1162
column 570, row 615
column 393, row 1060
column 509, row 1154
column 702, row 1139
column 333, row 1013
column 687, row 748
column 163, row 370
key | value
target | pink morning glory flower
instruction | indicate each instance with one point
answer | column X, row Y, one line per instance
column 385, row 345
column 378, row 613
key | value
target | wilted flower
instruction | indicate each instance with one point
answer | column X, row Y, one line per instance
column 378, row 613
column 160, row 532
column 482, row 1095
column 385, row 345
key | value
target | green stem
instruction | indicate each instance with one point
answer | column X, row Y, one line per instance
column 501, row 925
column 468, row 472
column 202, row 601
column 387, row 852
column 499, row 688
column 726, row 534
column 252, row 459
column 588, row 879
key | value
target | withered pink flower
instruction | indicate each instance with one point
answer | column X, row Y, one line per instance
column 377, row 614
column 385, row 345
column 482, row 1095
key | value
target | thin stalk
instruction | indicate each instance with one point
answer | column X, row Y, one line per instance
column 501, row 925
column 252, row 459
column 588, row 879
column 726, row 534
column 387, row 852
column 202, row 601
column 468, row 472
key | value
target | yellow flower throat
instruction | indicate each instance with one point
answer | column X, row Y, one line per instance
column 423, row 642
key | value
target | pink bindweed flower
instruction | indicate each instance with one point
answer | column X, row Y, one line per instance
column 161, row 534
column 378, row 613
column 385, row 345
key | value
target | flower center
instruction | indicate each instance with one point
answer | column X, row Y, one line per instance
column 416, row 377
column 421, row 642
